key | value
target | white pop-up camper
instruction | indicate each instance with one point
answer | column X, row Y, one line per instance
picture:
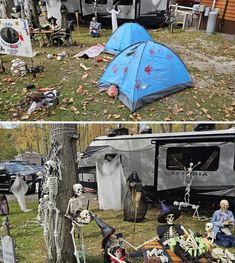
column 161, row 160
column 137, row 10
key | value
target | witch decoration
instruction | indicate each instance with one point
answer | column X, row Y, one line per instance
column 135, row 206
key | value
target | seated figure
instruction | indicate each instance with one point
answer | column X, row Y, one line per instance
column 94, row 28
column 223, row 221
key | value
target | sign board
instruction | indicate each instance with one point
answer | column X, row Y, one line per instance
column 8, row 250
column 15, row 38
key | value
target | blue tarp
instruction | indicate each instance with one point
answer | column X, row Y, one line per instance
column 145, row 72
column 126, row 35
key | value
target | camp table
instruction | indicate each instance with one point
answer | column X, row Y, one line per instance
column 45, row 34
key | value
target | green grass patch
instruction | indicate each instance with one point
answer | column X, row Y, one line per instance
column 204, row 56
column 30, row 246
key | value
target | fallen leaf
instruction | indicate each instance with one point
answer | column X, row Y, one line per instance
column 209, row 117
column 84, row 76
column 205, row 110
column 116, row 116
column 73, row 108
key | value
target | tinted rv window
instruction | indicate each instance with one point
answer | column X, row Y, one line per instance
column 125, row 2
column 100, row 2
column 179, row 157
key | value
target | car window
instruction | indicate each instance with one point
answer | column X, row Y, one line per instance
column 12, row 168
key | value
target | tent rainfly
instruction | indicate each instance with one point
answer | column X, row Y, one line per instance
column 126, row 35
column 145, row 72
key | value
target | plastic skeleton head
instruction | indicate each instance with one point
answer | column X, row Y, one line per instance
column 78, row 189
column 50, row 166
column 224, row 204
column 170, row 218
column 208, row 227
column 85, row 216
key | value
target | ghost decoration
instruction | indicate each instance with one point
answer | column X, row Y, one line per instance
column 114, row 13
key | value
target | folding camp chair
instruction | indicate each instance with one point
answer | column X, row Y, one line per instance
column 68, row 40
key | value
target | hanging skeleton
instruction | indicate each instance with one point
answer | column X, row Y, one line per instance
column 3, row 12
column 78, row 217
column 48, row 213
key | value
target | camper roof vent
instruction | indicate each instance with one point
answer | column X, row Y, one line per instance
column 119, row 131
column 204, row 127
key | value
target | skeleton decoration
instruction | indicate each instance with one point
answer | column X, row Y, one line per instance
column 156, row 253
column 223, row 256
column 3, row 12
column 188, row 179
column 48, row 213
column 18, row 68
column 210, row 235
column 169, row 229
column 79, row 217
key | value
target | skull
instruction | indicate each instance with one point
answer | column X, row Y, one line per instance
column 170, row 218
column 224, row 204
column 85, row 216
column 50, row 166
column 78, row 189
column 208, row 227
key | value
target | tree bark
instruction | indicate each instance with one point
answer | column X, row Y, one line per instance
column 62, row 134
column 10, row 4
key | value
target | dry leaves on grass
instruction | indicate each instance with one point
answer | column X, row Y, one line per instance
column 135, row 116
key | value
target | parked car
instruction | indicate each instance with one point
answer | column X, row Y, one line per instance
column 8, row 172
column 29, row 166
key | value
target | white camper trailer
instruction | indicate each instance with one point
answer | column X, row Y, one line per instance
column 161, row 159
column 129, row 9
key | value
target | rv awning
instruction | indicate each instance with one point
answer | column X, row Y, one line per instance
column 195, row 138
column 224, row 193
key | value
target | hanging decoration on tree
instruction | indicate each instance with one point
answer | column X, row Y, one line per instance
column 48, row 213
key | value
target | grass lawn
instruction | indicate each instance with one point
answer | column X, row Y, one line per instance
column 30, row 245
column 209, row 59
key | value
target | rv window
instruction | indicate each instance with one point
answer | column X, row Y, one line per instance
column 125, row 2
column 180, row 157
column 100, row 2
column 110, row 156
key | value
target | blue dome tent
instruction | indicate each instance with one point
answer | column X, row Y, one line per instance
column 126, row 35
column 145, row 72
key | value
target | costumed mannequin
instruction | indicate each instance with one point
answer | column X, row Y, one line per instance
column 94, row 28
column 169, row 229
column 114, row 13
column 135, row 207
column 223, row 221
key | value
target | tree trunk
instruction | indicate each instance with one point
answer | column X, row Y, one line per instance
column 10, row 4
column 34, row 14
column 62, row 133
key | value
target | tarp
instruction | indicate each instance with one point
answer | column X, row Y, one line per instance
column 91, row 52
column 145, row 72
column 126, row 35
